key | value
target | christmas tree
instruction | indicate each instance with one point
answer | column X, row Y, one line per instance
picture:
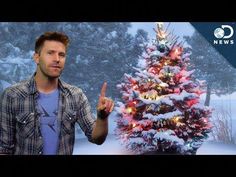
column 161, row 109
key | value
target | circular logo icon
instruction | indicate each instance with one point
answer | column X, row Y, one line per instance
column 219, row 33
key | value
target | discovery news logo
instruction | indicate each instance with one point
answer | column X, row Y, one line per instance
column 224, row 35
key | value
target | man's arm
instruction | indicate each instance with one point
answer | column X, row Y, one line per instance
column 104, row 108
column 7, row 124
column 95, row 130
column 100, row 131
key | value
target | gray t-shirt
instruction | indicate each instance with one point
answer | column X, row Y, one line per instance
column 48, row 105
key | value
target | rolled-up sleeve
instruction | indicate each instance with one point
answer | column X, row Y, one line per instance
column 85, row 118
column 7, row 124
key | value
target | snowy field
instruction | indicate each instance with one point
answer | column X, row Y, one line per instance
column 112, row 145
column 214, row 148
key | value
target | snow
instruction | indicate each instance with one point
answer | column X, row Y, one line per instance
column 183, row 95
column 137, row 140
column 166, row 116
column 169, row 135
column 141, row 63
column 223, row 97
column 112, row 145
column 4, row 84
column 161, row 100
column 200, row 106
column 155, row 53
column 141, row 75
column 186, row 83
column 137, row 129
column 149, row 133
column 146, row 75
column 215, row 148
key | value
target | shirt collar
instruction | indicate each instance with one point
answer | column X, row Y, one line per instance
column 33, row 89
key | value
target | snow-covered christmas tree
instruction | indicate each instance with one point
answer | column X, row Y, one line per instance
column 161, row 110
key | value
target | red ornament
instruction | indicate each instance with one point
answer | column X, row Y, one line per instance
column 134, row 87
column 132, row 103
column 178, row 77
column 152, row 70
column 191, row 102
column 176, row 90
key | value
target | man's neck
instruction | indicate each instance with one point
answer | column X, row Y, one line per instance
column 45, row 84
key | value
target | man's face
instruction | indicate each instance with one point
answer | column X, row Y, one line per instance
column 51, row 58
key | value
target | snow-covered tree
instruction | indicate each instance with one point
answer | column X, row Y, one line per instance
column 161, row 110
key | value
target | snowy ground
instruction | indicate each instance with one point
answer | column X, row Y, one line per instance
column 214, row 148
column 112, row 147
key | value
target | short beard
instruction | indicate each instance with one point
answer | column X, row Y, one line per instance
column 48, row 76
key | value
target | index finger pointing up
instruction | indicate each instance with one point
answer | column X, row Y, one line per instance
column 103, row 90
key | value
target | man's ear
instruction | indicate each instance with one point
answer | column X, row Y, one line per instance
column 36, row 58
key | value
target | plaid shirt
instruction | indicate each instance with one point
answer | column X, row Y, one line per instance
column 20, row 119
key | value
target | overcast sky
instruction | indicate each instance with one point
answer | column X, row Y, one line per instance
column 179, row 28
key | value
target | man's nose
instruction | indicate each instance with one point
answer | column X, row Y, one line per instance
column 56, row 57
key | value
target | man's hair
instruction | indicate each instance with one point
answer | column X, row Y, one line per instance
column 51, row 36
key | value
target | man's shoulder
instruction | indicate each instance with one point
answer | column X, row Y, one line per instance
column 72, row 88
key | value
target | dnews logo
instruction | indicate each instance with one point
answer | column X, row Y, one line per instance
column 223, row 35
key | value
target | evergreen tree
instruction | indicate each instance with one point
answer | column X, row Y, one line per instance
column 161, row 110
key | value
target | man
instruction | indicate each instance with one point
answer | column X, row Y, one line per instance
column 38, row 116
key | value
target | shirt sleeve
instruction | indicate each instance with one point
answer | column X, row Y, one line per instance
column 7, row 124
column 85, row 118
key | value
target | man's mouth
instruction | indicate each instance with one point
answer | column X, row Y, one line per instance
column 56, row 66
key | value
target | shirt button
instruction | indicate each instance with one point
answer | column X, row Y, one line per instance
column 40, row 152
column 70, row 118
column 40, row 137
